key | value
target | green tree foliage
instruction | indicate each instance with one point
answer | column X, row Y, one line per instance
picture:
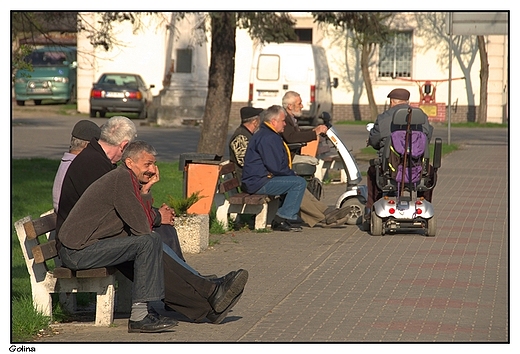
column 33, row 28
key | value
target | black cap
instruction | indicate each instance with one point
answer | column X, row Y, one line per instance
column 249, row 112
column 400, row 94
column 86, row 130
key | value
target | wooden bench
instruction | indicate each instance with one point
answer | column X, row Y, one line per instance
column 64, row 281
column 230, row 201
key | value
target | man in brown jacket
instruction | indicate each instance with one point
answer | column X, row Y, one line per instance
column 312, row 211
column 111, row 224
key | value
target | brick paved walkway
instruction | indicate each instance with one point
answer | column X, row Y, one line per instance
column 343, row 285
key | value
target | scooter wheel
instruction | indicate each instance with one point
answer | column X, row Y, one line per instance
column 356, row 211
column 376, row 225
column 431, row 227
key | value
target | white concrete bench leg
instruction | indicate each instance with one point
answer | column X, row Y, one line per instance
column 222, row 206
column 41, row 294
column 261, row 217
column 105, row 303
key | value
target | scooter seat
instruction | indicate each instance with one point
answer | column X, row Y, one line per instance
column 304, row 169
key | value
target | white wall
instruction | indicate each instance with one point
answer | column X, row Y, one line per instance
column 144, row 52
column 141, row 52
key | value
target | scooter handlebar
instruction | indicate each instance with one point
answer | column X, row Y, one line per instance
column 326, row 119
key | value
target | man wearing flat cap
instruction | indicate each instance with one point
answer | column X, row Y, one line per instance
column 250, row 121
column 399, row 98
column 82, row 133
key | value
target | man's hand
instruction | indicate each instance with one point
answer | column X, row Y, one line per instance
column 167, row 215
column 320, row 129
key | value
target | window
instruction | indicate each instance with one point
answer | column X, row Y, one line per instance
column 268, row 67
column 183, row 60
column 303, row 35
column 395, row 58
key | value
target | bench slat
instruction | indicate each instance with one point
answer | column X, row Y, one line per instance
column 95, row 272
column 227, row 168
column 244, row 198
column 62, row 273
column 35, row 228
column 256, row 199
column 230, row 184
column 331, row 158
column 236, row 199
column 44, row 252
column 66, row 273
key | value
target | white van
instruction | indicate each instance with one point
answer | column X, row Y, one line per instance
column 300, row 67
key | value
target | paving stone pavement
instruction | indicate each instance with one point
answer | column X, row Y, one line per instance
column 342, row 285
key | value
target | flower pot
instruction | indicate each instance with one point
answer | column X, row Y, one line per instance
column 193, row 232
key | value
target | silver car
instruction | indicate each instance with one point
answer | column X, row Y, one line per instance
column 120, row 92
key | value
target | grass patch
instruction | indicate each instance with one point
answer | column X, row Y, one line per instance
column 453, row 125
column 477, row 125
column 352, row 122
column 26, row 323
column 213, row 242
column 263, row 231
column 216, row 227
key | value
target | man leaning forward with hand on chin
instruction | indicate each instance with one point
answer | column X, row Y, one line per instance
column 111, row 223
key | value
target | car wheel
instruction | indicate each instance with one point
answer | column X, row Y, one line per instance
column 20, row 103
column 37, row 102
column 93, row 113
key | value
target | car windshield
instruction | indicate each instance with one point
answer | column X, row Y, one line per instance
column 48, row 58
column 119, row 80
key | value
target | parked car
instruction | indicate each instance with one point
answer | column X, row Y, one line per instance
column 120, row 92
column 52, row 76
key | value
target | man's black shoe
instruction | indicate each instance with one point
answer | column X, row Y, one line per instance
column 284, row 226
column 280, row 226
column 151, row 324
column 295, row 226
column 217, row 318
column 298, row 222
column 228, row 290
column 224, row 278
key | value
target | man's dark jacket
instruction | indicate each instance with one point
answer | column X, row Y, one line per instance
column 87, row 167
column 293, row 134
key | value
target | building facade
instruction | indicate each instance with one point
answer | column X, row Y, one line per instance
column 173, row 54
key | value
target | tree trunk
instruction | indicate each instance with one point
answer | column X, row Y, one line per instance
column 484, row 77
column 365, row 57
column 213, row 137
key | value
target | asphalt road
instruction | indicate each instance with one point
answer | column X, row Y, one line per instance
column 47, row 134
column 44, row 132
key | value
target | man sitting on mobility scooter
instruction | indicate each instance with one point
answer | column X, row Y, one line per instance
column 378, row 136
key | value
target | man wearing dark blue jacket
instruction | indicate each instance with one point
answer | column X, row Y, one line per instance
column 267, row 169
